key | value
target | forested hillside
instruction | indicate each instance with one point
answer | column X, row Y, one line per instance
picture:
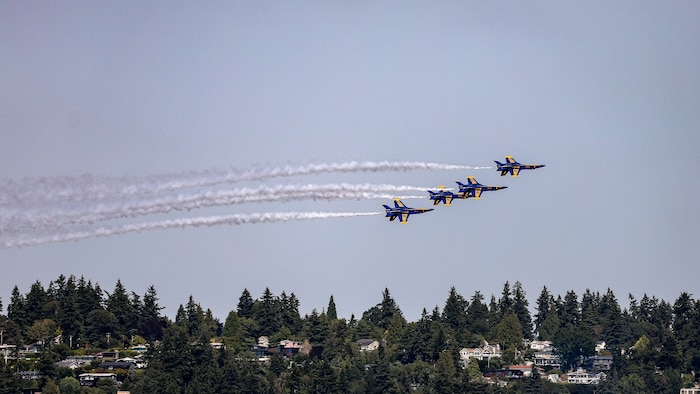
column 654, row 344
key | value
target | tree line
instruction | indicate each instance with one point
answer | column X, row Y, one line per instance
column 654, row 344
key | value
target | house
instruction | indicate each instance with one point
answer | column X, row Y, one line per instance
column 261, row 349
column 110, row 355
column 91, row 379
column 288, row 348
column 139, row 348
column 367, row 345
column 691, row 390
column 600, row 363
column 7, row 352
column 600, row 345
column 70, row 364
column 581, row 376
column 217, row 345
column 486, row 352
column 526, row 370
column 114, row 365
column 541, row 345
column 547, row 359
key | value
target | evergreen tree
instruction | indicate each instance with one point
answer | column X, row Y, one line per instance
column 615, row 332
column 36, row 300
column 17, row 309
column 520, row 307
column 290, row 312
column 152, row 323
column 478, row 316
column 509, row 333
column 194, row 315
column 69, row 319
column 550, row 326
column 505, row 303
column 444, row 379
column 569, row 314
column 454, row 315
column 590, row 316
column 268, row 314
column 332, row 314
column 245, row 304
column 119, row 304
column 683, row 319
column 544, row 304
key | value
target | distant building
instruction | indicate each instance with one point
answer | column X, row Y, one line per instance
column 367, row 345
column 547, row 359
column 139, row 348
column 581, row 376
column 541, row 345
column 8, row 351
column 600, row 363
column 288, row 348
column 600, row 345
column 486, row 352
column 91, row 379
column 691, row 390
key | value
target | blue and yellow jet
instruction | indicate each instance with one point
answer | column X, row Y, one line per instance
column 513, row 167
column 443, row 195
column 474, row 188
column 402, row 211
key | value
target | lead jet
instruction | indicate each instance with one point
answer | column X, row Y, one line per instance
column 402, row 211
column 443, row 195
column 474, row 188
column 513, row 167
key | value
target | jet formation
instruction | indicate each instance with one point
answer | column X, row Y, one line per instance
column 472, row 189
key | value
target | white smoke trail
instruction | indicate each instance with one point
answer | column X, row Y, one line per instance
column 236, row 219
column 28, row 219
column 92, row 187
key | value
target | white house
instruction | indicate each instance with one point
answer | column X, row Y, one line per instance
column 541, row 345
column 580, row 376
column 486, row 352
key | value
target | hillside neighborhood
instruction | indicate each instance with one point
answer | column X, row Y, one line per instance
column 71, row 338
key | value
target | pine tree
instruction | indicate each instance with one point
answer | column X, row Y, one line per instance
column 520, row 307
column 120, row 306
column 569, row 314
column 505, row 304
column 478, row 315
column 332, row 314
column 454, row 315
column 245, row 304
column 17, row 309
column 544, row 303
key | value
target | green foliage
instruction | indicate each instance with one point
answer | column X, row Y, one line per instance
column 652, row 342
column 69, row 385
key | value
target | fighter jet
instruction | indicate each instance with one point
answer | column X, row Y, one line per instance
column 443, row 195
column 474, row 188
column 513, row 167
column 402, row 211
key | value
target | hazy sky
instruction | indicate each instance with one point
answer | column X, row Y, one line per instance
column 606, row 94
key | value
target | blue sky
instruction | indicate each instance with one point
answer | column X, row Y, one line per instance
column 605, row 94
